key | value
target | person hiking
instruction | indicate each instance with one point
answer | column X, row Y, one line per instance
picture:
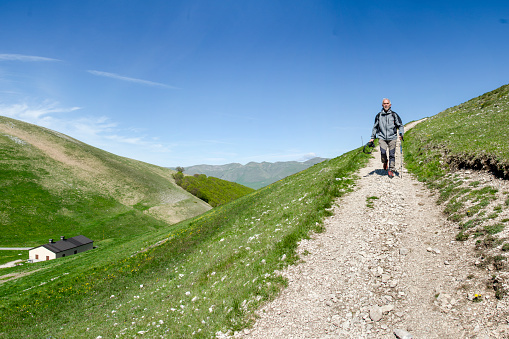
column 387, row 123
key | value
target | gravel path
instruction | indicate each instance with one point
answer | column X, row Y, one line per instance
column 386, row 271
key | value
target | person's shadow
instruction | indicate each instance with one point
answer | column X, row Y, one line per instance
column 382, row 173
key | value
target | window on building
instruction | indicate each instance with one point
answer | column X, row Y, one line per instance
column 47, row 257
column 63, row 255
column 76, row 251
column 37, row 256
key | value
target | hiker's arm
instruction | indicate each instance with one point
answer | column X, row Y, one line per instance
column 401, row 128
column 375, row 129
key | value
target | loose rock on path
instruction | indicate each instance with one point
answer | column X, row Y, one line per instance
column 392, row 270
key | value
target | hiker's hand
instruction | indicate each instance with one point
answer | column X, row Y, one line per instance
column 371, row 140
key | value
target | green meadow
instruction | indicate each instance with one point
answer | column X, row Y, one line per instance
column 212, row 190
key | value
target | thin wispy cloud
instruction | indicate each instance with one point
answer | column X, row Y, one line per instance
column 128, row 79
column 99, row 131
column 139, row 141
column 24, row 58
column 34, row 114
column 217, row 142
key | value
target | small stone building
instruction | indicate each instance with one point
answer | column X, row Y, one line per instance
column 59, row 249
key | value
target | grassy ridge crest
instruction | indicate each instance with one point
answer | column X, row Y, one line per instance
column 212, row 190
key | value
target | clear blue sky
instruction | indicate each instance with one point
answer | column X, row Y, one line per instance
column 180, row 83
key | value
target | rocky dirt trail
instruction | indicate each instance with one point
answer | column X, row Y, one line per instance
column 387, row 266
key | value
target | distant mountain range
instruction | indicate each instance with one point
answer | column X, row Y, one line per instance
column 253, row 174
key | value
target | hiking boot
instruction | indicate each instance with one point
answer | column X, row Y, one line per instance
column 390, row 174
column 385, row 166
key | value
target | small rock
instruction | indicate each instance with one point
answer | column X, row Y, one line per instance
column 403, row 251
column 446, row 262
column 387, row 308
column 444, row 298
column 402, row 334
column 336, row 320
column 375, row 313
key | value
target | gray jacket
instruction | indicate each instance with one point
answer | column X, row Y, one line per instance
column 386, row 126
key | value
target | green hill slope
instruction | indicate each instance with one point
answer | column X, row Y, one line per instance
column 54, row 185
column 212, row 190
column 197, row 277
column 473, row 134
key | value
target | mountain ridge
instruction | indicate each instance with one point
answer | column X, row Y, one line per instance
column 253, row 174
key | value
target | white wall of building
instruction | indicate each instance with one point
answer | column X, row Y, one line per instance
column 40, row 254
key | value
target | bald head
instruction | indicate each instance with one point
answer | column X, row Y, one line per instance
column 386, row 104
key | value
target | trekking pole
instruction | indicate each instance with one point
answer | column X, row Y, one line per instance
column 401, row 153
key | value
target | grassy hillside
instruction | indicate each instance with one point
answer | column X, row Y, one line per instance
column 198, row 277
column 470, row 136
column 253, row 174
column 212, row 190
column 53, row 185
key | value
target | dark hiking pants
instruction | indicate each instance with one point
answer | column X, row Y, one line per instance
column 391, row 146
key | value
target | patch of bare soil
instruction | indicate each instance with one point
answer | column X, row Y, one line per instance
column 387, row 266
column 83, row 166
column 53, row 150
column 13, row 276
